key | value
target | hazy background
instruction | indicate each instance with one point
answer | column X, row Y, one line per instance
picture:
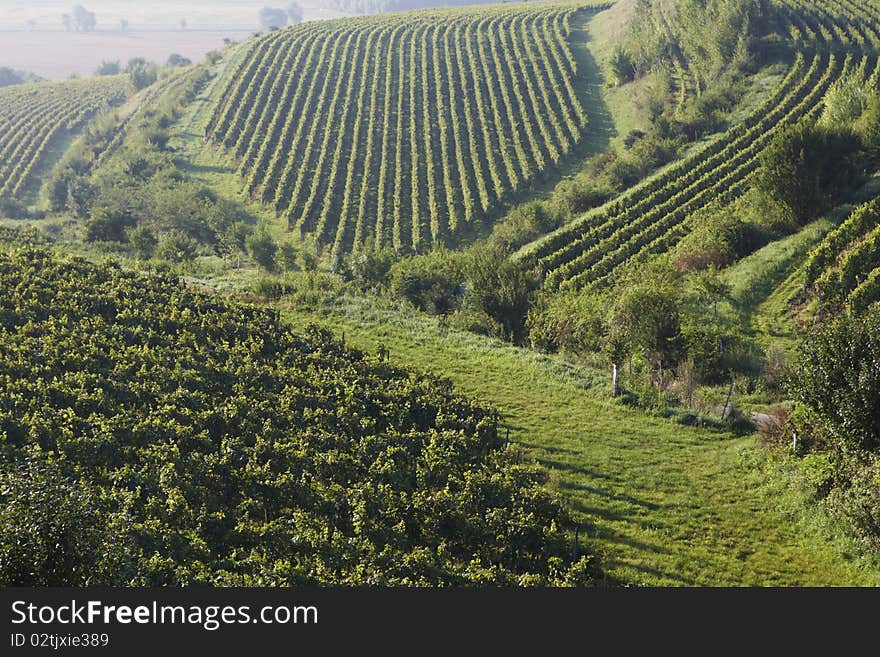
column 33, row 38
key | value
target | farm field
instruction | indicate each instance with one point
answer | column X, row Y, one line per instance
column 420, row 103
column 59, row 55
column 33, row 116
column 596, row 284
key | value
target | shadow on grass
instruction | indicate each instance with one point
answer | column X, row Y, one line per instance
column 568, row 467
column 628, row 499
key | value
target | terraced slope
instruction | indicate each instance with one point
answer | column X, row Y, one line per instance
column 844, row 270
column 32, row 116
column 402, row 129
column 834, row 38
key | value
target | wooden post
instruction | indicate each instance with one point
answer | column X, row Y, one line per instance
column 691, row 386
column 576, row 544
column 615, row 389
column 727, row 402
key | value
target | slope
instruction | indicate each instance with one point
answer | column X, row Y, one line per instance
column 408, row 130
column 665, row 504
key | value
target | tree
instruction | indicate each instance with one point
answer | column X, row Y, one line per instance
column 263, row 249
column 123, row 24
column 806, row 166
column 500, row 288
column 143, row 241
column 294, row 13
column 178, row 60
column 80, row 20
column 142, row 72
column 647, row 317
column 109, row 68
column 837, row 380
column 177, row 246
column 272, row 18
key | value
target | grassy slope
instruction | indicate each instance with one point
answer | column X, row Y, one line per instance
column 665, row 504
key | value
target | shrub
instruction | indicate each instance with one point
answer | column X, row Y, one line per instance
column 432, row 282
column 263, row 249
column 176, row 246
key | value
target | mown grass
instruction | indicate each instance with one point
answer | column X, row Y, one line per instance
column 663, row 503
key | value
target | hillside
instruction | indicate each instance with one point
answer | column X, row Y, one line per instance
column 636, row 234
column 653, row 217
column 405, row 134
column 33, row 117
column 188, row 440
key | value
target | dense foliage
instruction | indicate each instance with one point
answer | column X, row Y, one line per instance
column 9, row 77
column 123, row 182
column 837, row 387
column 150, row 434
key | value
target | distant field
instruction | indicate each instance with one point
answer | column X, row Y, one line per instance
column 58, row 55
column 153, row 32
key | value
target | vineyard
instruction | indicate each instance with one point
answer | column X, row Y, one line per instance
column 834, row 38
column 188, row 440
column 844, row 270
column 412, row 128
column 33, row 116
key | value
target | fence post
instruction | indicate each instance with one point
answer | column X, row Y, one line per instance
column 727, row 402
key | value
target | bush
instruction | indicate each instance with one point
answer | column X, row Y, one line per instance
column 263, row 249
column 807, row 167
column 837, row 380
column 433, row 282
column 582, row 193
column 143, row 241
column 370, row 268
column 142, row 73
column 109, row 68
column 572, row 323
column 525, row 223
column 500, row 288
column 176, row 246
column 13, row 209
column 107, row 225
column 57, row 532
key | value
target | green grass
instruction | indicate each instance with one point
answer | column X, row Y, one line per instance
column 663, row 503
column 626, row 106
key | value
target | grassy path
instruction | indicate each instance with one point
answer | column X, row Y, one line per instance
column 665, row 504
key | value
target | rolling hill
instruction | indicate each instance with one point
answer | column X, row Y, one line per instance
column 402, row 131
column 34, row 116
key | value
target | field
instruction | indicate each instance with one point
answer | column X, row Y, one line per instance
column 652, row 217
column 60, row 55
column 414, row 144
column 33, row 116
column 665, row 504
column 489, row 209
